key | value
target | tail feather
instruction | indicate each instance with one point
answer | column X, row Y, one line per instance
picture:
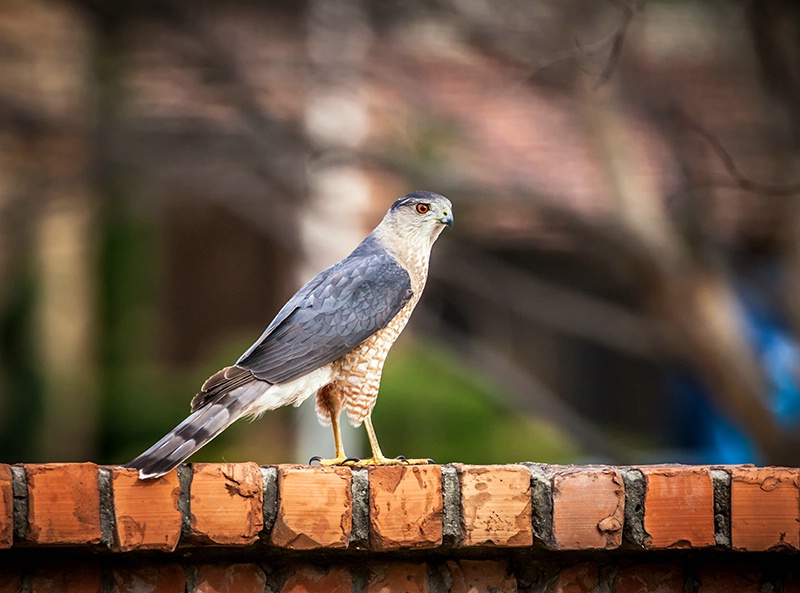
column 197, row 430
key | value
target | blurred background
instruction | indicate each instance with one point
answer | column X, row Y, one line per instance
column 621, row 283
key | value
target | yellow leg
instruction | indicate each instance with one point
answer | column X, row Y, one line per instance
column 378, row 457
column 337, row 443
column 377, row 454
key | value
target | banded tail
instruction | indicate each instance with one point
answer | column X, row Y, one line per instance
column 198, row 429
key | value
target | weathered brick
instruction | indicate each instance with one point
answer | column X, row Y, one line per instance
column 649, row 578
column 146, row 512
column 679, row 507
column 314, row 507
column 63, row 503
column 226, row 503
column 580, row 578
column 154, row 578
column 496, row 505
column 405, row 507
column 230, row 578
column 6, row 508
column 314, row 579
column 469, row 576
column 67, row 578
column 765, row 504
column 588, row 508
column 400, row 577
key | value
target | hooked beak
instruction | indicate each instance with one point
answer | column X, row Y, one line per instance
column 446, row 218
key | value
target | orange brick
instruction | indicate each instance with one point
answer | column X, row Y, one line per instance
column 649, row 578
column 480, row 575
column 155, row 578
column 496, row 505
column 146, row 512
column 402, row 577
column 63, row 503
column 314, row 507
column 67, row 578
column 226, row 502
column 313, row 579
column 588, row 508
column 765, row 504
column 230, row 578
column 679, row 507
column 580, row 578
column 6, row 508
column 405, row 507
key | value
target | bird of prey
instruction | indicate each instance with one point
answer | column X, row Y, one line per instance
column 331, row 338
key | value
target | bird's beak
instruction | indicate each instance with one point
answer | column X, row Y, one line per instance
column 446, row 218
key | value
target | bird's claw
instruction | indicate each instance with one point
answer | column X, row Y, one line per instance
column 399, row 460
column 370, row 462
column 341, row 460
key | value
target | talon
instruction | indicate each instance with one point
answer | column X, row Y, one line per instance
column 313, row 459
column 401, row 458
column 431, row 461
column 351, row 460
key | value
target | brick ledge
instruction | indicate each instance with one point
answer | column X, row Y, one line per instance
column 459, row 507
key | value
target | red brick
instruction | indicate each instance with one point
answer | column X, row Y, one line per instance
column 649, row 578
column 401, row 577
column 723, row 578
column 679, row 507
column 765, row 504
column 581, row 578
column 588, row 508
column 314, row 507
column 405, row 507
column 67, row 578
column 312, row 579
column 6, row 508
column 63, row 503
column 230, row 578
column 469, row 576
column 155, row 578
column 146, row 512
column 226, row 503
column 496, row 505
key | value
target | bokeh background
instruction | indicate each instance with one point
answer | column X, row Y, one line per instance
column 621, row 284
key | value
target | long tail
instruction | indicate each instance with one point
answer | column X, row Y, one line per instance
column 197, row 430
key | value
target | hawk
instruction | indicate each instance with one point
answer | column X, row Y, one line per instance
column 331, row 339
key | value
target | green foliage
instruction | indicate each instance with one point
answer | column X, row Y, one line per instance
column 432, row 405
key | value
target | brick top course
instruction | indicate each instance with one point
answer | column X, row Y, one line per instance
column 293, row 507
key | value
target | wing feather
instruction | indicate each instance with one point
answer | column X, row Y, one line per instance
column 334, row 312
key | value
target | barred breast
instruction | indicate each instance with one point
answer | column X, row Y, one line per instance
column 358, row 373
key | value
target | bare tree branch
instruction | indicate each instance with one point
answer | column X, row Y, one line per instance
column 737, row 179
column 615, row 39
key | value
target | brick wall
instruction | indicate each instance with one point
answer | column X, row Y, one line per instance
column 527, row 527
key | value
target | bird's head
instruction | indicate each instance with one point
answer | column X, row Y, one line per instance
column 418, row 217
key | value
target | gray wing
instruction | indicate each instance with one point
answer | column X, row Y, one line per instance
column 334, row 312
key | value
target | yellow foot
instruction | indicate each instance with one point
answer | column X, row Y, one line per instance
column 372, row 461
column 341, row 460
column 375, row 461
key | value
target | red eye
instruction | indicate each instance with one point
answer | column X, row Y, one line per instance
column 423, row 208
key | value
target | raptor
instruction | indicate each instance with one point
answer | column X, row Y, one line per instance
column 331, row 339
